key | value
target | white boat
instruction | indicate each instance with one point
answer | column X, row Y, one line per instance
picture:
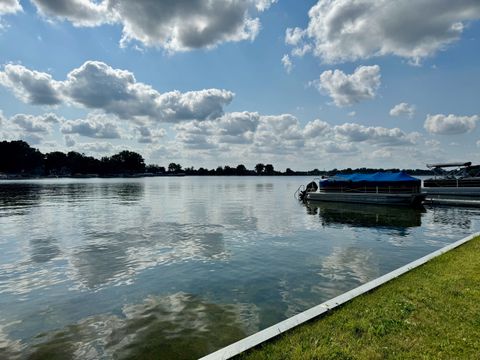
column 385, row 188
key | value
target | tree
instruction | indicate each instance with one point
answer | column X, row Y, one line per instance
column 289, row 172
column 19, row 157
column 227, row 170
column 174, row 168
column 219, row 171
column 128, row 162
column 56, row 163
column 241, row 169
column 259, row 168
column 202, row 171
column 269, row 169
column 155, row 169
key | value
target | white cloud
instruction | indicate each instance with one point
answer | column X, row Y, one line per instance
column 9, row 6
column 35, row 124
column 349, row 30
column 31, row 138
column 231, row 128
column 349, row 89
column 294, row 36
column 94, row 126
column 432, row 143
column 69, row 141
column 173, row 25
column 148, row 135
column 339, row 148
column 263, row 5
column 95, row 147
column 278, row 134
column 237, row 127
column 375, row 134
column 287, row 63
column 96, row 85
column 31, row 86
column 316, row 128
column 79, row 12
column 403, row 109
column 450, row 124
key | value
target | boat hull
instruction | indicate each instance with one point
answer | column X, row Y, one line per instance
column 452, row 191
column 415, row 199
column 455, row 196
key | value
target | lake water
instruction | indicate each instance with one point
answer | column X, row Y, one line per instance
column 174, row 268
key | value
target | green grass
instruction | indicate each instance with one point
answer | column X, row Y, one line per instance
column 432, row 312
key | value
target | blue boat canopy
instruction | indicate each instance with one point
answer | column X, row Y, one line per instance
column 379, row 177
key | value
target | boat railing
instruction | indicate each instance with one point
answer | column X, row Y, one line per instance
column 299, row 190
column 373, row 190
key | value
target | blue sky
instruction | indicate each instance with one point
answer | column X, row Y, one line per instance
column 299, row 84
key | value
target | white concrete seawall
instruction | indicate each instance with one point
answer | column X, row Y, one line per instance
column 277, row 329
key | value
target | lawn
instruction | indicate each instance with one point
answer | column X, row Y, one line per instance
column 432, row 312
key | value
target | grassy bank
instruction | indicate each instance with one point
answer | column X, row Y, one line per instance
column 431, row 312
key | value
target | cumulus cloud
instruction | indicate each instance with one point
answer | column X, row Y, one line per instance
column 316, row 128
column 285, row 135
column 31, row 86
column 31, row 138
column 287, row 63
column 9, row 6
column 173, row 25
column 36, row 124
column 94, row 126
column 79, row 12
column 96, row 85
column 95, row 147
column 69, row 141
column 195, row 135
column 27, row 127
column 231, row 128
column 450, row 124
column 349, row 89
column 296, row 37
column 149, row 136
column 375, row 134
column 278, row 134
column 349, row 30
column 267, row 133
column 403, row 109
column 237, row 127
column 336, row 147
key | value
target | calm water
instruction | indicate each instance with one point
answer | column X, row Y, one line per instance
column 179, row 267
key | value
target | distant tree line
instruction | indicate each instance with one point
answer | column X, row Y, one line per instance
column 18, row 158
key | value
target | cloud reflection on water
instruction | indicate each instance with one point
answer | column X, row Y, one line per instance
column 176, row 326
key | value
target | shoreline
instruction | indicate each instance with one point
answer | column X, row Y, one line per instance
column 298, row 332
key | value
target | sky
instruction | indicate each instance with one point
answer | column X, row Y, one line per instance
column 205, row 83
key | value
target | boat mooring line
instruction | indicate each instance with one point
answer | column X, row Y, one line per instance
column 279, row 328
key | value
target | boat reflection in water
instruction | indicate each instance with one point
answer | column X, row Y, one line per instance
column 366, row 215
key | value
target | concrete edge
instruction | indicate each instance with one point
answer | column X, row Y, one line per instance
column 277, row 329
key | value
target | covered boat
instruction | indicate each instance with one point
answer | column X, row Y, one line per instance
column 389, row 188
